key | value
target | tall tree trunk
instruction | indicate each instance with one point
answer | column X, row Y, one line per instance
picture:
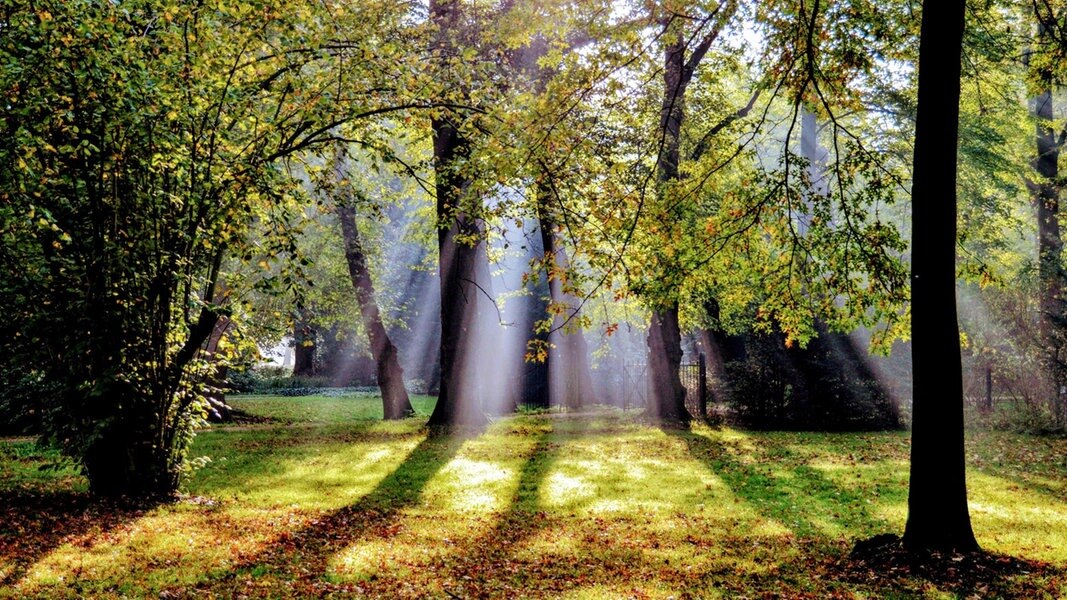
column 569, row 374
column 460, row 241
column 1045, row 195
column 458, row 402
column 938, row 517
column 666, row 395
column 395, row 402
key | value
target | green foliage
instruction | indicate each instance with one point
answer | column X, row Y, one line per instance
column 23, row 399
column 140, row 142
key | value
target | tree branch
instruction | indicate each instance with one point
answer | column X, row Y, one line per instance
column 702, row 48
column 702, row 145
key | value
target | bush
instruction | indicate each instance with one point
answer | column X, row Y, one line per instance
column 23, row 399
column 252, row 380
column 825, row 386
column 277, row 381
column 1016, row 417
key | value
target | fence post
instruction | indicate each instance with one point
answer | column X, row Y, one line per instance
column 702, row 385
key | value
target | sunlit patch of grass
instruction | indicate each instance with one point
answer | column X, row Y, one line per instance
column 544, row 505
column 1010, row 518
column 166, row 546
column 310, row 468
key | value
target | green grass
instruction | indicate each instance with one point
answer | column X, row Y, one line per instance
column 598, row 506
column 355, row 406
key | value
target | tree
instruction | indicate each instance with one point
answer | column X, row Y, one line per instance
column 461, row 237
column 564, row 350
column 140, row 143
column 1045, row 196
column 938, row 518
column 395, row 402
column 666, row 399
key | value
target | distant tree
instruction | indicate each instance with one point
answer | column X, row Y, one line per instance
column 938, row 518
column 1045, row 191
column 390, row 377
column 305, row 342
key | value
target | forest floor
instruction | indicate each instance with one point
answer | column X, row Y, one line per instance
column 323, row 504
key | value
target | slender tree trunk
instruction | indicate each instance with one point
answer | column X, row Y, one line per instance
column 395, row 402
column 938, row 517
column 218, row 410
column 569, row 373
column 1045, row 195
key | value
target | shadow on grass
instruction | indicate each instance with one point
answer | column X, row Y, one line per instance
column 34, row 525
column 487, row 561
column 304, row 556
column 798, row 502
column 806, row 496
column 883, row 562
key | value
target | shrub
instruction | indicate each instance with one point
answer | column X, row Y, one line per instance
column 1016, row 417
column 825, row 386
column 22, row 402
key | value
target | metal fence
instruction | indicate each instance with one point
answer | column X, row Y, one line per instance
column 627, row 384
column 695, row 380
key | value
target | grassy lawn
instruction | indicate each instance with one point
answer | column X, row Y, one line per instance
column 346, row 408
column 591, row 506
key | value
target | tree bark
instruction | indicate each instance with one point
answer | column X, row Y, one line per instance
column 395, row 402
column 460, row 241
column 569, row 374
column 218, row 410
column 304, row 345
column 938, row 517
column 666, row 394
column 1045, row 195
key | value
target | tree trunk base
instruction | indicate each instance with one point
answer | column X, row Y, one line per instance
column 883, row 560
column 118, row 467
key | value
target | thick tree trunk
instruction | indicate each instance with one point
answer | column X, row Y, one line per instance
column 123, row 461
column 458, row 402
column 460, row 241
column 938, row 517
column 569, row 373
column 666, row 394
column 395, row 402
